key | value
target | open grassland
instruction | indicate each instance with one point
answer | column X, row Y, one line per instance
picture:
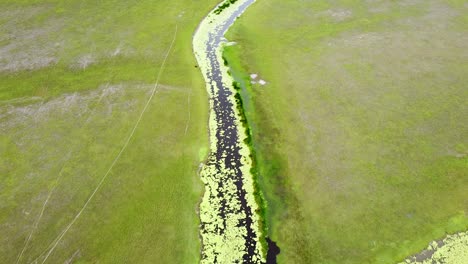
column 74, row 78
column 360, row 132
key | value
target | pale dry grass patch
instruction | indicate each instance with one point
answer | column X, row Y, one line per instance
column 336, row 15
column 26, row 44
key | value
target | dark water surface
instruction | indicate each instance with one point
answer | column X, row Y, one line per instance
column 228, row 148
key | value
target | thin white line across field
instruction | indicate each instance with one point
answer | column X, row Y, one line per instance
column 153, row 92
column 56, row 183
column 189, row 114
column 36, row 223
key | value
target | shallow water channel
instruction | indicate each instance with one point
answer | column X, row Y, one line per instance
column 230, row 229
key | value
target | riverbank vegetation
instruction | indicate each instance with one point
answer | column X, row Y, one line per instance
column 360, row 131
column 74, row 78
column 223, row 6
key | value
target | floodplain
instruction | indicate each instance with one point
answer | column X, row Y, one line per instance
column 358, row 118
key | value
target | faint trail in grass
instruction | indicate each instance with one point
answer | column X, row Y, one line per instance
column 56, row 183
column 189, row 114
column 26, row 244
column 153, row 92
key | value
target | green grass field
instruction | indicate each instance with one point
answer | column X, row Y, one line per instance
column 360, row 131
column 74, row 77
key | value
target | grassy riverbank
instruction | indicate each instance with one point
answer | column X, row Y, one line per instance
column 359, row 132
column 74, row 77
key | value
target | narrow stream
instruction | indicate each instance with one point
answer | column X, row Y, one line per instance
column 228, row 148
column 230, row 229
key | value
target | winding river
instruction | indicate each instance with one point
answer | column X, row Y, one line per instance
column 230, row 230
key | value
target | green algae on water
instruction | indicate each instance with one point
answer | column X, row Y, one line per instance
column 223, row 238
column 451, row 250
